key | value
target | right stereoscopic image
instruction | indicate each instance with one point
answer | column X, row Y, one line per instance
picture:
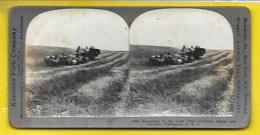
column 181, row 64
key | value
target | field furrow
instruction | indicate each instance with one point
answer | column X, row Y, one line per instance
column 207, row 94
column 70, row 83
column 123, row 84
column 121, row 107
column 165, row 86
column 225, row 107
column 99, row 96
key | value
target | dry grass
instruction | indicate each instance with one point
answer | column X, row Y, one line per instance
column 194, row 88
column 55, row 89
column 206, row 92
column 106, row 87
column 99, row 96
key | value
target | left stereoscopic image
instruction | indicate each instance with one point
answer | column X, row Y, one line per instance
column 76, row 64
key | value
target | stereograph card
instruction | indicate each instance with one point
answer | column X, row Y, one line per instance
column 129, row 67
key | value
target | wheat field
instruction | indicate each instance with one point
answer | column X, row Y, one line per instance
column 123, row 84
column 203, row 87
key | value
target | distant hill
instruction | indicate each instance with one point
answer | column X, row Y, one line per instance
column 139, row 54
column 36, row 54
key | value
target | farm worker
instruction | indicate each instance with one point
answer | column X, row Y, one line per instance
column 77, row 51
column 183, row 48
column 169, row 55
column 84, row 51
column 189, row 50
column 192, row 49
column 91, row 47
column 56, row 56
column 63, row 56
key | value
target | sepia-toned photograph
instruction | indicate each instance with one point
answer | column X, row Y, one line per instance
column 91, row 63
column 129, row 67
column 76, row 64
column 181, row 64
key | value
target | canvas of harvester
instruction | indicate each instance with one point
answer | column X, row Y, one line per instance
column 168, row 62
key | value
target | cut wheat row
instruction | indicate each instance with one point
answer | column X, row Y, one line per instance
column 70, row 79
column 99, row 96
column 161, row 86
column 102, row 90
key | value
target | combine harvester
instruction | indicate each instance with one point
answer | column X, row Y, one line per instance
column 81, row 56
column 187, row 55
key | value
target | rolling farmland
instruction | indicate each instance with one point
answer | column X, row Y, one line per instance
column 203, row 87
column 89, row 89
column 120, row 83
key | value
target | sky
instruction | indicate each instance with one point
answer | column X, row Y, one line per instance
column 183, row 26
column 72, row 27
column 173, row 27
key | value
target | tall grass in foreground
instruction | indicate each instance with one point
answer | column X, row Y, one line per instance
column 180, row 90
column 99, row 99
column 55, row 89
column 205, row 93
